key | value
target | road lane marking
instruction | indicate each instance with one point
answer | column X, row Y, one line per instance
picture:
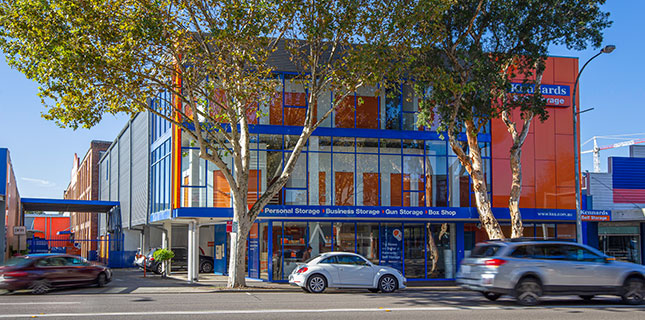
column 32, row 303
column 277, row 311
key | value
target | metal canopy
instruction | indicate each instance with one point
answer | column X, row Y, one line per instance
column 37, row 204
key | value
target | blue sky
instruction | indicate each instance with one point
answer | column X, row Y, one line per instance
column 43, row 153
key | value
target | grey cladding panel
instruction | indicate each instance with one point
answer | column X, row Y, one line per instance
column 124, row 177
column 637, row 151
column 104, row 180
column 104, row 190
column 140, row 169
column 114, row 172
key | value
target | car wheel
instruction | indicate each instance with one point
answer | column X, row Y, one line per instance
column 159, row 268
column 316, row 283
column 373, row 290
column 387, row 284
column 587, row 297
column 528, row 292
column 491, row 295
column 101, row 280
column 40, row 287
column 633, row 291
column 207, row 267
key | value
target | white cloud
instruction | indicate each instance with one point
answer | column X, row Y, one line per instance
column 40, row 182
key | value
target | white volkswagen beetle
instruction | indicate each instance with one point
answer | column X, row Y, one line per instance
column 345, row 270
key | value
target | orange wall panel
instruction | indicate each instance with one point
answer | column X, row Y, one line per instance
column 545, row 184
column 344, row 185
column 275, row 110
column 563, row 121
column 548, row 75
column 527, row 199
column 565, row 70
column 547, row 154
column 221, row 191
column 370, row 189
column 566, row 198
column 564, row 161
column 344, row 113
column 545, row 138
column 367, row 113
column 528, row 161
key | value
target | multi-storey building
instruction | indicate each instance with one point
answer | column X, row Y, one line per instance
column 84, row 185
column 371, row 181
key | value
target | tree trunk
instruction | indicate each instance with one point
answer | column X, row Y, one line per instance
column 480, row 189
column 516, row 169
column 432, row 247
column 517, row 229
column 237, row 260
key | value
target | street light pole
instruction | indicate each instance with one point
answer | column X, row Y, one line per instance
column 576, row 149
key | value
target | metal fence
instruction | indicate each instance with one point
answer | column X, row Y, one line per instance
column 107, row 250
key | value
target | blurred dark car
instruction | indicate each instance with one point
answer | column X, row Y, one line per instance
column 180, row 262
column 42, row 272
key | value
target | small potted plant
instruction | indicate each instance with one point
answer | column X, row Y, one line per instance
column 163, row 256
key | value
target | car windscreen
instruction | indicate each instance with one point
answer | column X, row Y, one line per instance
column 17, row 262
column 485, row 250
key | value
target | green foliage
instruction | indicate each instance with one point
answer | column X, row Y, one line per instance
column 216, row 59
column 163, row 255
column 487, row 45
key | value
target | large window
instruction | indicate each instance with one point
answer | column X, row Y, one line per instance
column 160, row 176
column 367, row 240
column 344, row 236
column 339, row 171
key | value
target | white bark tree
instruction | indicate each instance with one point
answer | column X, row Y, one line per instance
column 487, row 44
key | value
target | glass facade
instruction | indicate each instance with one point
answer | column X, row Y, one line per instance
column 338, row 171
column 369, row 152
column 404, row 246
column 621, row 240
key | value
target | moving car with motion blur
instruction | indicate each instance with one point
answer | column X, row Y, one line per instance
column 345, row 270
column 530, row 269
column 41, row 273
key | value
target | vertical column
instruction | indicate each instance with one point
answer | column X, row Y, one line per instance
column 191, row 251
column 196, row 252
column 167, row 244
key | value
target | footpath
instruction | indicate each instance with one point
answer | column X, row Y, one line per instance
column 177, row 282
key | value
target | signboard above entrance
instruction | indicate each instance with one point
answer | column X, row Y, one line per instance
column 377, row 213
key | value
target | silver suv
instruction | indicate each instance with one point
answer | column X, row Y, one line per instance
column 527, row 270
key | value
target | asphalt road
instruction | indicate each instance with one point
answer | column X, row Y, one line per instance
column 180, row 302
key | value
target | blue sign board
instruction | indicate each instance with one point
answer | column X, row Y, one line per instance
column 359, row 212
column 219, row 244
column 555, row 95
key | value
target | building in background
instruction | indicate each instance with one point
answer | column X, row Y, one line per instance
column 84, row 185
column 10, row 210
column 622, row 191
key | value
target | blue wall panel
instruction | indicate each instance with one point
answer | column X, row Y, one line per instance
column 3, row 171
